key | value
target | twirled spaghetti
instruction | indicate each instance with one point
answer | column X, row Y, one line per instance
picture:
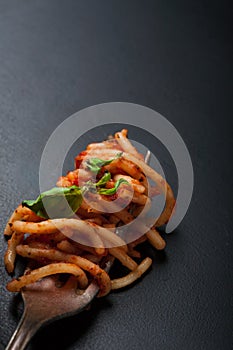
column 56, row 245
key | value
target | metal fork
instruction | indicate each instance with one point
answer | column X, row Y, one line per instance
column 44, row 302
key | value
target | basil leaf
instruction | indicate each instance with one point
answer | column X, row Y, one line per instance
column 56, row 201
column 91, row 186
column 110, row 191
column 104, row 179
column 95, row 164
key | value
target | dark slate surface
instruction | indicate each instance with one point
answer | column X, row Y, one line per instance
column 57, row 57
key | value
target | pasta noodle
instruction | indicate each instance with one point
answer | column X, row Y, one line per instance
column 76, row 245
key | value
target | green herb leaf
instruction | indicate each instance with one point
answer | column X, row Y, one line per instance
column 55, row 200
column 104, row 179
column 95, row 164
column 91, row 186
column 110, row 191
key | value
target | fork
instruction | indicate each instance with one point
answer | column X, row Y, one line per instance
column 52, row 302
column 44, row 302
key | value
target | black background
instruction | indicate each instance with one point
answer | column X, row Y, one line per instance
column 57, row 57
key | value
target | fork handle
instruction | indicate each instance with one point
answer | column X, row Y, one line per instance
column 26, row 328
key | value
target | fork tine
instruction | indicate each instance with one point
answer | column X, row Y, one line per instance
column 147, row 156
